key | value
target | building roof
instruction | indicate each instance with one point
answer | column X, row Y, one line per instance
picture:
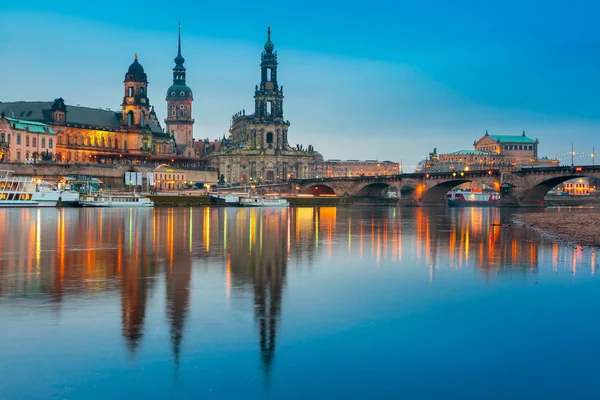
column 474, row 152
column 31, row 126
column 512, row 139
column 41, row 111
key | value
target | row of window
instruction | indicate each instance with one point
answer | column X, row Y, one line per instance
column 131, row 92
column 519, row 147
column 6, row 138
column 93, row 141
column 19, row 157
column 175, row 177
column 576, row 185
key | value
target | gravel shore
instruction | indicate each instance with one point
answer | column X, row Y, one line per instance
column 581, row 228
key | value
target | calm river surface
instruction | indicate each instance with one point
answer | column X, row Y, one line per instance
column 305, row 303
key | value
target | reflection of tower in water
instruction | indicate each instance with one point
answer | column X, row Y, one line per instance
column 179, row 276
column 262, row 264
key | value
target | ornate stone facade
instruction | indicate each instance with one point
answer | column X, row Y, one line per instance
column 258, row 148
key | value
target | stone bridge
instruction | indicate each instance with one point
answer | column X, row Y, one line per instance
column 523, row 187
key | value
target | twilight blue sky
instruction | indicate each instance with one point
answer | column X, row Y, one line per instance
column 377, row 79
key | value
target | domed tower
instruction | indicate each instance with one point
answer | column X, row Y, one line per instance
column 268, row 100
column 179, row 119
column 136, row 106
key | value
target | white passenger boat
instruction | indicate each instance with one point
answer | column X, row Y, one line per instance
column 25, row 191
column 259, row 201
column 473, row 198
column 107, row 199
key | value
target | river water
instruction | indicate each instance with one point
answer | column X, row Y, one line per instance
column 295, row 303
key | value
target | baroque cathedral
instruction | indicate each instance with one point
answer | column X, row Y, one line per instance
column 257, row 149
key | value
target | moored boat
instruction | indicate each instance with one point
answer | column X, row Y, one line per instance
column 472, row 198
column 260, row 201
column 107, row 199
column 25, row 191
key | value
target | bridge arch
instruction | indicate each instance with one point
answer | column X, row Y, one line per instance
column 373, row 190
column 319, row 190
column 437, row 193
column 535, row 195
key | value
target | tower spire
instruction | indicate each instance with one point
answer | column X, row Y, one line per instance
column 269, row 45
column 179, row 39
column 179, row 60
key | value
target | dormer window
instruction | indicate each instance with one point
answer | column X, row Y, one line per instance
column 172, row 93
column 182, row 94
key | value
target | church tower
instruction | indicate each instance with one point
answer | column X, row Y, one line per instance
column 179, row 119
column 136, row 106
column 268, row 101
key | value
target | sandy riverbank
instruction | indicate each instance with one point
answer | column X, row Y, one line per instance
column 582, row 228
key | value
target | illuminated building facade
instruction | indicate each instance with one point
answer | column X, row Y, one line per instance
column 348, row 168
column 258, row 148
column 24, row 141
column 577, row 187
column 132, row 135
column 491, row 151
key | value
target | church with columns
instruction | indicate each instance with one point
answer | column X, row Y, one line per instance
column 257, row 150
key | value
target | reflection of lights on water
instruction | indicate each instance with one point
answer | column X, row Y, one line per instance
column 225, row 229
column 191, row 230
column 38, row 240
column 130, row 229
column 207, row 228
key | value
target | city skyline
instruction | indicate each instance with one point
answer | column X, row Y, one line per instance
column 409, row 95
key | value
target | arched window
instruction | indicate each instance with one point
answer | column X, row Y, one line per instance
column 130, row 91
column 142, row 119
column 130, row 118
column 116, row 143
column 18, row 155
column 2, row 137
column 269, row 137
column 50, row 143
column 34, row 142
column 18, row 142
column 43, row 143
column 27, row 141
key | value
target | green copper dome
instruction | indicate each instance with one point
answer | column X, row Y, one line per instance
column 269, row 46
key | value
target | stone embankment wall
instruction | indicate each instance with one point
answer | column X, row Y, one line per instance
column 112, row 175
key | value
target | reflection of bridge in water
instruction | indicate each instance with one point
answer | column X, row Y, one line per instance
column 76, row 253
column 524, row 187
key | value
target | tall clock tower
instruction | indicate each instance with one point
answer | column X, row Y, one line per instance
column 179, row 121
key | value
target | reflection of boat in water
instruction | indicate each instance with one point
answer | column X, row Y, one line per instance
column 472, row 198
column 107, row 199
column 259, row 201
column 25, row 191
